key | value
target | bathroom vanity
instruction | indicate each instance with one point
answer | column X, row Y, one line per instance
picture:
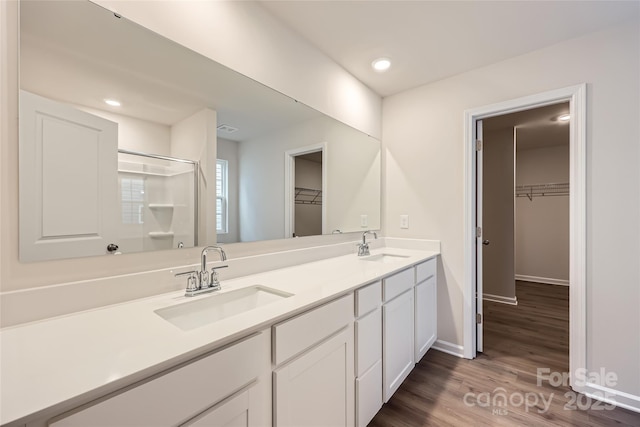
column 333, row 341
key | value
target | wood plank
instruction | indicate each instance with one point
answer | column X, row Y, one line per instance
column 517, row 340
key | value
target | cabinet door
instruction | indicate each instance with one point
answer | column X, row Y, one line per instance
column 181, row 394
column 398, row 351
column 368, row 341
column 369, row 394
column 368, row 366
column 426, row 316
column 317, row 388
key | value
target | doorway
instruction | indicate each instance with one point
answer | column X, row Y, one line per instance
column 524, row 193
column 305, row 191
column 473, row 287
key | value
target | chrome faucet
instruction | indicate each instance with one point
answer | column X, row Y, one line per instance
column 363, row 248
column 200, row 282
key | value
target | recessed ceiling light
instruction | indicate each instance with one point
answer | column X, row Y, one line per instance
column 381, row 64
column 564, row 117
column 112, row 102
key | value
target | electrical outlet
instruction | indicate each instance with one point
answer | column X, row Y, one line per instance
column 404, row 221
column 364, row 220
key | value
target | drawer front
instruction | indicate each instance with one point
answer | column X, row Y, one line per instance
column 368, row 395
column 176, row 396
column 293, row 336
column 368, row 341
column 368, row 298
column 426, row 270
column 397, row 284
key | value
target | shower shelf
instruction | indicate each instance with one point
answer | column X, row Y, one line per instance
column 161, row 205
column 161, row 234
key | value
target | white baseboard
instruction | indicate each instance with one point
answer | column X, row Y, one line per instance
column 614, row 397
column 449, row 348
column 500, row 299
column 545, row 280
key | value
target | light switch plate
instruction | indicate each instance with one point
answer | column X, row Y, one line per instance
column 364, row 220
column 404, row 221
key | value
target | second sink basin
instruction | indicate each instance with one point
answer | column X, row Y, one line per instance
column 208, row 309
column 384, row 258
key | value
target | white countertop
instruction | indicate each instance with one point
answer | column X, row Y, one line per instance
column 50, row 365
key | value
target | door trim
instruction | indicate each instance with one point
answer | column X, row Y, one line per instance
column 289, row 185
column 577, row 97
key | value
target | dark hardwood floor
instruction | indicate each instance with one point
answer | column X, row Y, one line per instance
column 444, row 390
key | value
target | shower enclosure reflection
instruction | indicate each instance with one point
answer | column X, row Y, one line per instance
column 158, row 202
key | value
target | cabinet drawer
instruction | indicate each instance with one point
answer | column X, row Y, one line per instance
column 293, row 336
column 368, row 341
column 397, row 284
column 176, row 396
column 426, row 270
column 368, row 298
column 368, row 395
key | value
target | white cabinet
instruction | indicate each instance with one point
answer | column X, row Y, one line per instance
column 398, row 330
column 316, row 386
column 199, row 393
column 368, row 353
column 234, row 412
column 426, row 318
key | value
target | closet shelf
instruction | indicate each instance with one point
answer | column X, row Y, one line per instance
column 542, row 190
column 308, row 196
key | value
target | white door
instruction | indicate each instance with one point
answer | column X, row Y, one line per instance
column 68, row 181
column 498, row 213
column 478, row 299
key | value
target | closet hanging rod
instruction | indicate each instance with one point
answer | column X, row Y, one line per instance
column 308, row 196
column 542, row 190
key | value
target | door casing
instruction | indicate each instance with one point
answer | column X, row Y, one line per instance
column 576, row 96
column 289, row 185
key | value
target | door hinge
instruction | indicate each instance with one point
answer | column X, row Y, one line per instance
column 478, row 232
column 478, row 318
column 478, row 145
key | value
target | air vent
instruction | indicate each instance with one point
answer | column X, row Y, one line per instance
column 227, row 129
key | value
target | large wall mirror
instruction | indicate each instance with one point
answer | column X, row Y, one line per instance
column 130, row 142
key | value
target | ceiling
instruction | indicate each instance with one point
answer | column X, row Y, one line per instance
column 432, row 40
column 536, row 128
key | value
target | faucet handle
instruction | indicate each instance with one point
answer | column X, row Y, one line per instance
column 215, row 282
column 192, row 280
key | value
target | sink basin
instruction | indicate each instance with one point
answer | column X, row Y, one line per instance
column 208, row 309
column 384, row 258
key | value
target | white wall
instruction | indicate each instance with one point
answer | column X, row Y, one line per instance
column 228, row 150
column 243, row 36
column 136, row 134
column 542, row 224
column 194, row 138
column 423, row 176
